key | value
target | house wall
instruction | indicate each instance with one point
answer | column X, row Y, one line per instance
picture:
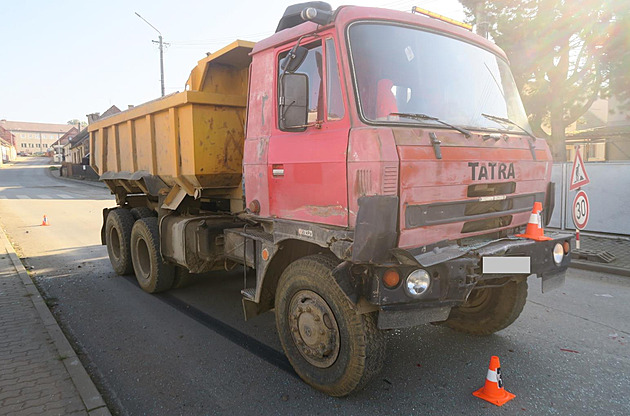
column 77, row 154
column 35, row 141
column 618, row 150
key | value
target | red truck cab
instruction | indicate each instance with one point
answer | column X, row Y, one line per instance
column 398, row 144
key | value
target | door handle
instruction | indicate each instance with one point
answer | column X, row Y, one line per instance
column 277, row 170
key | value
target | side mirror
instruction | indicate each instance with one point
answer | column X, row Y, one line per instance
column 294, row 59
column 293, row 107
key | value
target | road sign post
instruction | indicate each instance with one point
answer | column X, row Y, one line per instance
column 579, row 178
column 580, row 213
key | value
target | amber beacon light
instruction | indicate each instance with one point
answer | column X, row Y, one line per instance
column 418, row 10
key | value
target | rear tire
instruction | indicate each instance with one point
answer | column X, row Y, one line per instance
column 142, row 212
column 331, row 347
column 489, row 310
column 152, row 273
column 118, row 228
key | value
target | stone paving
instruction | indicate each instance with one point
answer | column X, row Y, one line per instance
column 619, row 247
column 39, row 372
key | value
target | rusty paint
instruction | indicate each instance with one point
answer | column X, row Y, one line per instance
column 265, row 97
column 325, row 211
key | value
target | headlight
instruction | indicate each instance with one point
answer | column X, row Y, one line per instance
column 558, row 253
column 417, row 282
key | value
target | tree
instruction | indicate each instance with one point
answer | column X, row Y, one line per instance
column 557, row 50
column 616, row 51
column 80, row 124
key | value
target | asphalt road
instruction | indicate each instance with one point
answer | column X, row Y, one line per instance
column 189, row 351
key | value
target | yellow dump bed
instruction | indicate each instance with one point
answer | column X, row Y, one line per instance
column 192, row 140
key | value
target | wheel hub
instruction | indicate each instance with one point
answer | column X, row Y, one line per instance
column 314, row 328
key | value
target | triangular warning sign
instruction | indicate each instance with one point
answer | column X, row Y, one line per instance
column 579, row 177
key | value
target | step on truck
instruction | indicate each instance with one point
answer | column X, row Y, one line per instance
column 374, row 169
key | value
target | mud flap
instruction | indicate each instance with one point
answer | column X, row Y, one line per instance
column 554, row 281
column 376, row 229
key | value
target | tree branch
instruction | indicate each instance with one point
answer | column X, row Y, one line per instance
column 580, row 74
column 575, row 115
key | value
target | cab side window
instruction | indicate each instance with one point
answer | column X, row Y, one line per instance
column 334, row 104
column 312, row 67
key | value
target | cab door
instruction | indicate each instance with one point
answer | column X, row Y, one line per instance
column 307, row 168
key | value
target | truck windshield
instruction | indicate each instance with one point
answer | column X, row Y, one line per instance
column 401, row 69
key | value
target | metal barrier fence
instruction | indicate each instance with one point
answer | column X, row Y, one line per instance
column 608, row 194
column 73, row 170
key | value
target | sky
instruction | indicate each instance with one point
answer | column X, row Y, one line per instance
column 61, row 60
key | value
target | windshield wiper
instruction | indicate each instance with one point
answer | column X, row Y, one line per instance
column 532, row 140
column 422, row 117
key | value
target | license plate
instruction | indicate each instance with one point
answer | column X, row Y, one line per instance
column 503, row 265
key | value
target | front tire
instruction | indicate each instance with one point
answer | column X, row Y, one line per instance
column 118, row 228
column 331, row 347
column 152, row 273
column 489, row 310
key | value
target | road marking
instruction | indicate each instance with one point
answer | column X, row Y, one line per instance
column 3, row 197
column 43, row 197
column 23, row 197
column 64, row 196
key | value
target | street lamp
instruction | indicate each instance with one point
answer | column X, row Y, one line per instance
column 161, row 50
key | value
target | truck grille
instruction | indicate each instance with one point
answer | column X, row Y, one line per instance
column 478, row 214
column 486, row 224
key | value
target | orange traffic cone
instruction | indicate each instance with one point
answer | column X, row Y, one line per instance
column 45, row 220
column 493, row 390
column 534, row 229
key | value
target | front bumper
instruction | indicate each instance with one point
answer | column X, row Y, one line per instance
column 455, row 271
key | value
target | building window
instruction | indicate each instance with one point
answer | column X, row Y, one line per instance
column 22, row 135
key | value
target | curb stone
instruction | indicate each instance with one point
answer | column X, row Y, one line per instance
column 599, row 267
column 83, row 181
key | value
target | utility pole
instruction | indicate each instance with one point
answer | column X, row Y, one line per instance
column 161, row 43
column 483, row 25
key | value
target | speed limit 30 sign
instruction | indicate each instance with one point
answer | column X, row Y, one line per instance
column 580, row 210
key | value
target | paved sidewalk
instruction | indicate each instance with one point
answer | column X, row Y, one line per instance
column 600, row 252
column 40, row 373
column 603, row 253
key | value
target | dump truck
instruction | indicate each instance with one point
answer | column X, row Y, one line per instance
column 372, row 169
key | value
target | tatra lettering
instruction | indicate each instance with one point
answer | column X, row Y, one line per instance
column 491, row 171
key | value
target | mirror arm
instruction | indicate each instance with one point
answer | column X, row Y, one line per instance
column 317, row 124
column 291, row 54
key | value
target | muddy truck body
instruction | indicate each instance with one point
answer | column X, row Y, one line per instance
column 374, row 168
